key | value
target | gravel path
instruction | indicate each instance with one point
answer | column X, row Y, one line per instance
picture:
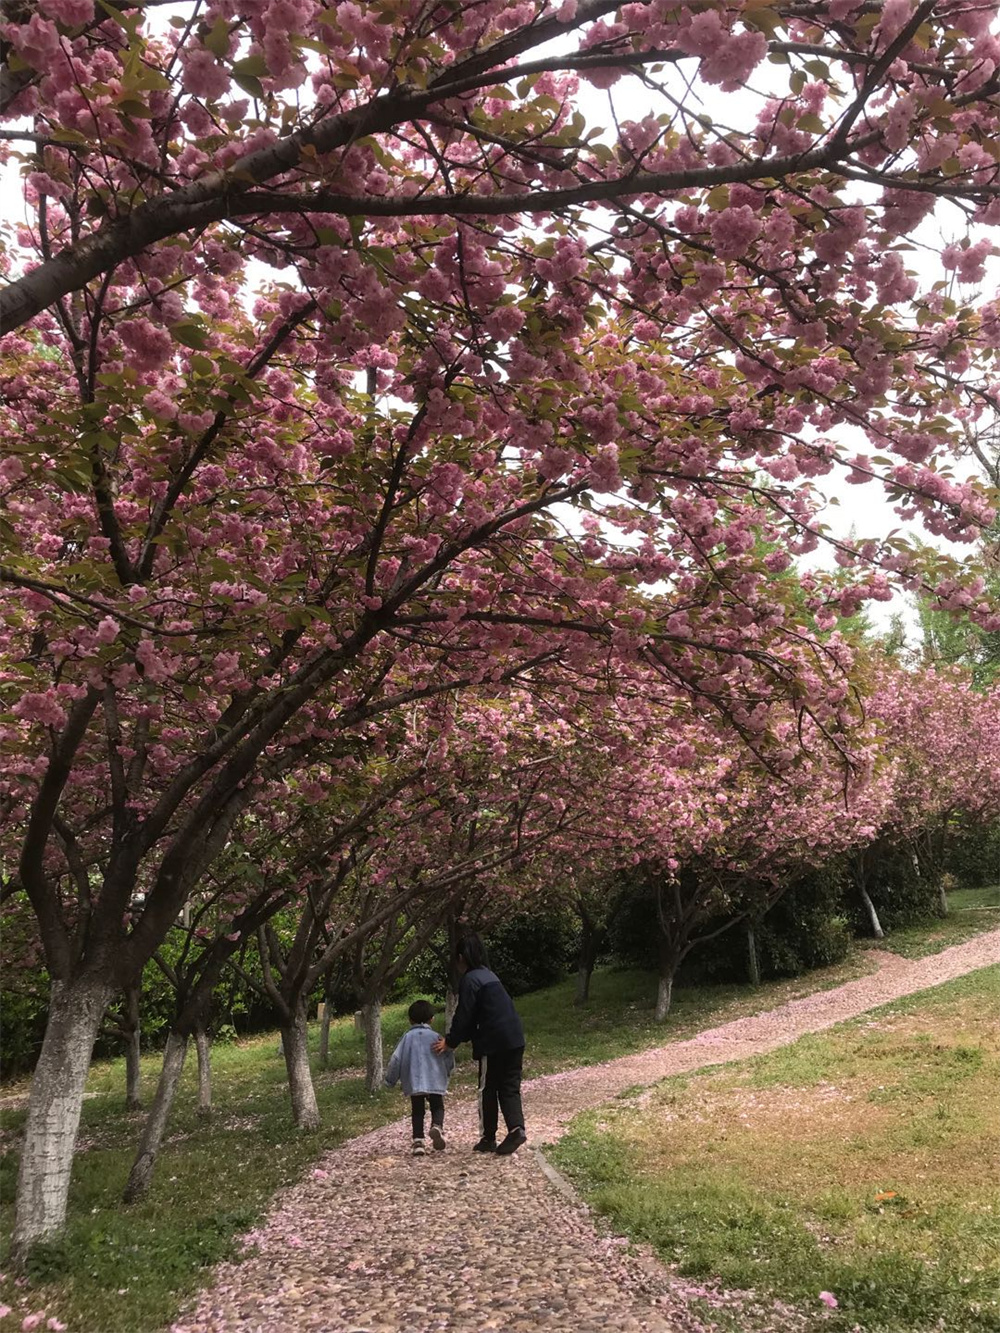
column 374, row 1241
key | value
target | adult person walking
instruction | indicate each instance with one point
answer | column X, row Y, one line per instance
column 486, row 1016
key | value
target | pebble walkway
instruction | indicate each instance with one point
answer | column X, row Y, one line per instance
column 375, row 1241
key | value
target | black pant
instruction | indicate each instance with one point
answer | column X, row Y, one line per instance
column 417, row 1111
column 500, row 1088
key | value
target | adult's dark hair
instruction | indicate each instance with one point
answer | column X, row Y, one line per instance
column 420, row 1011
column 473, row 950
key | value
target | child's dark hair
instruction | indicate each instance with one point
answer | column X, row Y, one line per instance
column 472, row 949
column 421, row 1011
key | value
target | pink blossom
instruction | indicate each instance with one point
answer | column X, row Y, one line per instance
column 108, row 630
column 11, row 469
column 56, row 1325
column 894, row 18
column 36, row 41
column 70, row 13
column 970, row 262
column 829, row 1300
column 734, row 230
column 204, row 76
column 148, row 346
column 32, row 1321
column 4, row 1311
column 44, row 708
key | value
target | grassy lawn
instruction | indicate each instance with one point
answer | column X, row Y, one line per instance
column 861, row 1162
column 971, row 911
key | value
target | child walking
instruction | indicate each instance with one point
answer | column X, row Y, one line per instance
column 423, row 1075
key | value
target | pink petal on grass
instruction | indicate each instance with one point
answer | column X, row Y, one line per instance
column 4, row 1311
column 828, row 1299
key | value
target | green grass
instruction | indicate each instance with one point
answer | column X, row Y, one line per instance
column 971, row 912
column 862, row 1161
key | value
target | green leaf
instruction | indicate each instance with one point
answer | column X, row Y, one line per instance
column 250, row 85
column 216, row 39
column 130, row 106
column 250, row 66
column 189, row 333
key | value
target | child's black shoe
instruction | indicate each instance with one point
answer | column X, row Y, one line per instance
column 485, row 1145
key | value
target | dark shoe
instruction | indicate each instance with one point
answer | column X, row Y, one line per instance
column 438, row 1138
column 514, row 1140
column 485, row 1145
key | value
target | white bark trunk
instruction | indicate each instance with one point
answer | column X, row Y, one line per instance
column 371, row 1017
column 324, row 1036
column 583, row 973
column 75, row 1014
column 450, row 1005
column 133, row 1073
column 869, row 906
column 664, row 993
column 294, row 1043
column 942, row 898
column 204, row 1073
column 141, row 1175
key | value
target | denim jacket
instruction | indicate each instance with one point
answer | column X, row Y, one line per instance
column 415, row 1065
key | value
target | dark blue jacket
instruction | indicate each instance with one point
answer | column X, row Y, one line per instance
column 485, row 1015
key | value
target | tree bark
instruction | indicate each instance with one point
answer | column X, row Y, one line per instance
column 450, row 1005
column 664, row 994
column 324, row 1035
column 295, row 1045
column 133, row 1069
column 753, row 959
column 585, row 967
column 75, row 1013
column 141, row 1175
column 371, row 1018
column 869, row 907
column 204, row 1047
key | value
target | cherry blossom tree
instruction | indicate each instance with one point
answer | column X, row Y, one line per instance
column 940, row 737
column 241, row 525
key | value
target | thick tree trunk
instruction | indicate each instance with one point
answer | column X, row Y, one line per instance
column 753, row 959
column 75, row 1013
column 450, row 1005
column 141, row 1175
column 204, row 1047
column 942, row 898
column 664, row 994
column 869, row 907
column 295, row 1045
column 371, row 1018
column 324, row 1035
